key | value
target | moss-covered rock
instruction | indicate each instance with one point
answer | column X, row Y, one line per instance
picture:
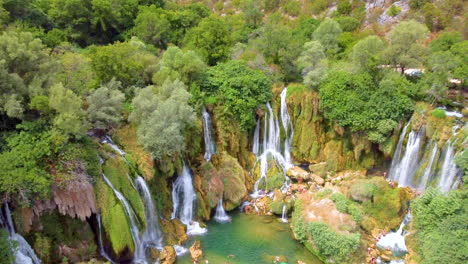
column 175, row 232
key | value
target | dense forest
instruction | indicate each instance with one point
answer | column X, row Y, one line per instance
column 349, row 109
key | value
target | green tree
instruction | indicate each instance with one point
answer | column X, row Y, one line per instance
column 6, row 247
column 177, row 64
column 327, row 33
column 25, row 71
column 105, row 106
column 128, row 62
column 153, row 25
column 161, row 132
column 69, row 118
column 211, row 38
column 24, row 160
column 445, row 41
column 252, row 11
column 405, row 49
column 313, row 63
column 76, row 72
column 238, row 89
column 365, row 55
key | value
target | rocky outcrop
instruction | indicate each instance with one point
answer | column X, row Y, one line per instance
column 196, row 252
column 168, row 255
column 298, row 174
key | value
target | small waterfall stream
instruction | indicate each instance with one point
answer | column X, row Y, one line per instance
column 221, row 216
column 139, row 255
column 210, row 145
column 396, row 240
column 102, row 251
column 152, row 237
column 284, row 216
column 24, row 253
column 428, row 170
column 183, row 199
column 408, row 165
column 271, row 148
column 449, row 171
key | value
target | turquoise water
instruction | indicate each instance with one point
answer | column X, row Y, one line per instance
column 252, row 239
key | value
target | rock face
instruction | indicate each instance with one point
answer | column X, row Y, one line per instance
column 195, row 251
column 168, row 255
column 176, row 232
column 297, row 173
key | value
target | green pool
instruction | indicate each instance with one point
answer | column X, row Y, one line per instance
column 252, row 239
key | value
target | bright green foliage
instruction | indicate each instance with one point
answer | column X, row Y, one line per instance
column 126, row 61
column 329, row 244
column 69, row 118
column 160, row 27
column 439, row 113
column 365, row 55
column 211, row 39
column 405, row 49
column 76, row 72
column 24, row 162
column 114, row 220
column 252, row 11
column 445, row 41
column 25, row 70
column 177, row 64
column 394, row 10
column 347, row 206
column 239, row 89
column 441, row 224
column 7, row 248
column 313, row 64
column 327, row 33
column 165, row 115
column 348, row 24
column 344, row 7
column 105, row 106
column 355, row 101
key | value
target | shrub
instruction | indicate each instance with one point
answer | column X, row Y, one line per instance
column 439, row 113
column 393, row 11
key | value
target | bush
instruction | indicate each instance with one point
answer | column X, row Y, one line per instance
column 439, row 113
column 6, row 248
column 293, row 8
column 394, row 10
column 346, row 206
column 348, row 24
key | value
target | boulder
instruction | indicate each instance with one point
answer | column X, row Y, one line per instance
column 319, row 180
column 168, row 255
column 297, row 173
column 195, row 251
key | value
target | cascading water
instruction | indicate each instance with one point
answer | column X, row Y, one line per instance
column 396, row 240
column 271, row 147
column 403, row 170
column 102, row 251
column 221, row 215
column 210, row 146
column 409, row 169
column 24, row 254
column 183, row 200
column 426, row 176
column 139, row 256
column 449, row 171
column 284, row 217
column 152, row 237
column 111, row 143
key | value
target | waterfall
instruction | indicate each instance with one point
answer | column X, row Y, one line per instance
column 284, row 217
column 404, row 170
column 221, row 215
column 139, row 256
column 397, row 155
column 271, row 147
column 108, row 140
column 426, row 176
column 102, row 251
column 183, row 200
column 210, row 146
column 24, row 253
column 180, row 250
column 256, row 138
column 449, row 171
column 152, row 235
column 396, row 240
column 287, row 125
